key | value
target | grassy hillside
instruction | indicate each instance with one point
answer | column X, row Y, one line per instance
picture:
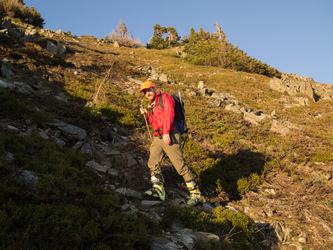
column 231, row 157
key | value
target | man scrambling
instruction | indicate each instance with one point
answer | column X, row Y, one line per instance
column 167, row 139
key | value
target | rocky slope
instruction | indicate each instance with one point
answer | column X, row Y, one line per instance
column 291, row 208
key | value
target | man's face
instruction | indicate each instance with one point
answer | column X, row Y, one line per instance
column 149, row 93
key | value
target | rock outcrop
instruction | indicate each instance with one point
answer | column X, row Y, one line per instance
column 294, row 84
column 27, row 35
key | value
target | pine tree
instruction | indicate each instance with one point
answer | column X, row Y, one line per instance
column 173, row 35
column 157, row 41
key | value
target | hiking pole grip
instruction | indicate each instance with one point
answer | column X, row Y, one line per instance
column 144, row 115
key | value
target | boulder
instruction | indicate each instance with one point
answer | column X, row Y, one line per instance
column 61, row 49
column 6, row 70
column 234, row 108
column 129, row 193
column 98, row 167
column 187, row 238
column 204, row 236
column 253, row 118
column 69, row 130
column 164, row 77
column 282, row 127
column 51, row 47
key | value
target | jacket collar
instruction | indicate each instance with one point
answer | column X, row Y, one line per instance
column 152, row 104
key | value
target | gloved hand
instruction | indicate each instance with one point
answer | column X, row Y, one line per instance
column 143, row 111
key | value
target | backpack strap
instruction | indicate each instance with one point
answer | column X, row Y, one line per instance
column 160, row 101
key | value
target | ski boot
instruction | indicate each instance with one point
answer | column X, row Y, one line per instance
column 195, row 194
column 157, row 190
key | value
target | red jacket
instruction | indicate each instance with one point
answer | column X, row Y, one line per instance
column 162, row 119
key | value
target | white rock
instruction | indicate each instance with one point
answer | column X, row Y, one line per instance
column 98, row 167
column 113, row 172
column 129, row 193
column 205, row 236
column 86, row 148
column 201, row 85
column 188, row 240
column 149, row 203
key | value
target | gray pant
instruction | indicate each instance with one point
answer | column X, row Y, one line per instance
column 175, row 154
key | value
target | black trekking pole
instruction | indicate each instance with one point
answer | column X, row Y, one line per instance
column 144, row 114
column 186, row 129
column 185, row 139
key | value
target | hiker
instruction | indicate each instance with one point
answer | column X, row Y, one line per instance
column 166, row 138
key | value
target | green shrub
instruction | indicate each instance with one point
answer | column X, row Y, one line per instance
column 210, row 49
column 68, row 207
column 246, row 184
column 32, row 16
column 236, row 230
column 16, row 8
column 13, row 108
column 243, row 233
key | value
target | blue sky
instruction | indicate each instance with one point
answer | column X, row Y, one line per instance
column 293, row 36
